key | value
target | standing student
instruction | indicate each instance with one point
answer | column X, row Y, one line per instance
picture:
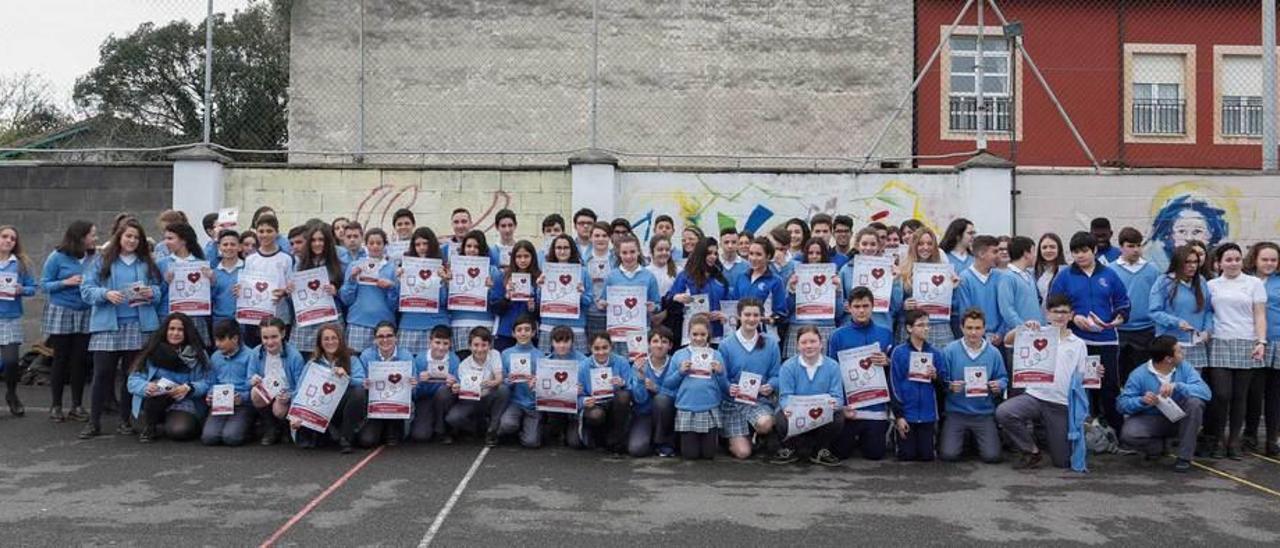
column 815, row 252
column 521, row 415
column 1181, row 306
column 563, row 250
column 653, row 408
column 65, row 322
column 820, row 228
column 584, row 221
column 955, row 244
column 121, row 285
column 1238, row 345
column 796, row 234
column 320, row 251
column 868, row 427
column 1049, row 259
column 1002, row 255
column 278, row 359
column 416, row 327
column 230, row 365
column 15, row 265
column 1262, row 262
column 1100, row 305
column 505, row 222
column 868, row 244
column 731, row 263
column 914, row 403
column 599, row 260
column 166, row 218
column 297, row 241
column 809, row 373
column 783, row 260
column 281, row 242
column 664, row 271
column 1017, row 295
column 1100, row 228
column 972, row 413
column 274, row 262
column 979, row 287
column 384, row 349
column 180, row 241
column 1051, row 406
column 352, row 239
column 689, row 238
column 331, row 352
column 369, row 304
column 248, row 243
column 403, row 223
column 460, row 221
column 697, row 278
column 744, row 244
column 924, row 249
column 464, row 321
column 603, row 422
column 842, row 232
column 552, row 226
column 698, row 400
column 760, row 283
column 748, row 350
column 169, row 379
column 431, row 398
column 908, row 230
column 209, row 222
column 1167, row 376
column 226, row 275
column 522, row 260
column 1137, row 332
column 486, row 414
column 630, row 272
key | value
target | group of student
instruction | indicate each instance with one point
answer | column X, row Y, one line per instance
column 1201, row 335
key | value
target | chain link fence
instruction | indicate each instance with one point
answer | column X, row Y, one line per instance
column 819, row 83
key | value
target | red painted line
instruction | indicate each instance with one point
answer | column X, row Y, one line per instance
column 271, row 540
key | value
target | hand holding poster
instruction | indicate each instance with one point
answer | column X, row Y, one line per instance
column 319, row 393
column 521, row 367
column 1092, row 378
column 273, row 380
column 369, row 269
column 932, row 289
column 560, row 295
column 815, row 291
column 601, row 383
column 10, row 287
column 749, row 388
column 419, row 285
column 864, row 382
column 521, row 284
column 222, row 399
column 698, row 304
column 875, row 273
column 312, row 303
column 975, row 382
column 136, row 296
column 805, row 413
column 254, row 303
column 469, row 289
column 557, row 386
column 390, row 396
column 920, row 367
column 700, row 362
column 469, row 379
column 1034, row 357
column 189, row 290
column 627, row 311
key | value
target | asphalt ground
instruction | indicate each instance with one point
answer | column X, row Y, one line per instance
column 58, row 490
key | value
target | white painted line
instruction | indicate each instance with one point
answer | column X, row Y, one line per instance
column 453, row 499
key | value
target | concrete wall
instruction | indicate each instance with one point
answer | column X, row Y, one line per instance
column 676, row 77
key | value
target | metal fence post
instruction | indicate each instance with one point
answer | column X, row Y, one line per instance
column 208, row 72
column 1269, row 105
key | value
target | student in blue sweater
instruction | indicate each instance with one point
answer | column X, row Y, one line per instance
column 759, row 282
column 463, row 322
column 431, row 398
column 1135, row 335
column 331, row 352
column 979, row 287
column 868, row 427
column 416, row 327
column 1181, row 306
column 274, row 369
column 956, row 243
column 65, row 322
column 603, row 422
column 368, row 302
column 563, row 427
column 564, row 250
column 169, row 379
column 912, row 397
column 1166, row 376
column 226, row 274
column 598, row 260
column 521, row 262
column 972, row 410
column 320, row 251
column 868, row 243
column 180, row 240
column 630, row 273
column 809, row 373
column 386, row 348
column 1262, row 261
column 700, row 388
column 653, row 407
column 1018, row 295
column 521, row 415
column 749, row 350
column 230, row 364
column 15, row 272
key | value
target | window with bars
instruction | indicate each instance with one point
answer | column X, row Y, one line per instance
column 963, row 108
column 1158, row 109
column 1242, row 116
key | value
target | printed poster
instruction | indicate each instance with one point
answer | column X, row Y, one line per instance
column 312, row 304
column 468, row 290
column 815, row 291
column 805, row 413
column 1034, row 357
column 420, row 285
column 932, row 290
column 390, row 396
column 876, row 274
column 319, row 394
column 865, row 384
column 560, row 295
column 627, row 311
column 254, row 303
column 189, row 290
column 557, row 386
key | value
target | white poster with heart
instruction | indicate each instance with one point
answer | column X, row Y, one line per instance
column 222, row 400
column 919, row 365
column 875, row 273
column 864, row 383
column 637, row 346
column 975, row 382
column 749, row 388
column 189, row 290
column 312, row 304
column 369, row 270
column 521, row 284
column 390, row 396
column 274, row 381
column 437, row 370
column 1092, row 379
column 1034, row 357
column 815, row 291
column 932, row 289
column 700, row 362
column 557, row 386
column 805, row 413
column 470, row 375
column 627, row 311
column 698, row 304
column 10, row 287
column 420, row 285
column 601, row 383
column 520, row 367
column 318, row 396
column 561, row 297
column 254, row 303
column 468, row 289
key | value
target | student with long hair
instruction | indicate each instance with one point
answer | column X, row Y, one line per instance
column 698, row 399
column 65, row 322
column 749, row 350
column 274, row 361
column 332, row 352
column 523, row 260
column 924, row 249
column 865, row 242
column 369, row 304
column 1237, row 347
column 15, row 272
column 1182, row 307
column 698, row 280
column 1262, row 262
column 564, row 250
column 169, row 379
column 815, row 251
column 319, row 251
column 183, row 246
column 630, row 272
column 956, row 241
column 463, row 322
column 1050, row 257
column 663, row 268
column 760, row 283
column 416, row 327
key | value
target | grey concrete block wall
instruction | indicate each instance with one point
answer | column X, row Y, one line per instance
column 41, row 200
column 676, row 77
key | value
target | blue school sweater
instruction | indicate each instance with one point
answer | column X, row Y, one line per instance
column 793, row 380
column 13, row 309
column 420, row 364
column 290, row 359
column 957, row 358
column 915, row 401
column 233, row 369
column 856, row 335
column 1137, row 282
column 738, row 268
column 974, row 292
column 58, row 267
column 882, row 319
column 693, row 394
column 1187, row 383
column 521, row 394
column 1102, row 293
column 1019, row 299
column 641, row 278
column 586, row 304
column 618, row 364
column 1272, row 285
column 1167, row 315
column 714, row 291
column 221, row 294
column 642, row 399
column 764, row 360
column 767, row 287
column 108, row 317
column 197, row 377
column 465, row 318
column 367, row 305
column 959, row 264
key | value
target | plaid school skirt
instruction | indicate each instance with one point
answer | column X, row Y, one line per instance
column 304, row 338
column 1233, row 354
column 416, row 341
column 461, row 337
column 700, row 421
column 1273, row 357
column 1198, row 355
column 544, row 339
column 128, row 337
column 737, row 418
column 10, row 331
column 791, row 347
column 60, row 320
column 359, row 337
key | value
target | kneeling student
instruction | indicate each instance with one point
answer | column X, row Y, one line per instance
column 653, row 409
column 521, row 415
column 230, row 366
column 603, row 422
column 431, row 398
column 749, row 350
column 1166, row 377
column 808, row 373
column 386, row 348
column 974, row 374
column 868, row 427
column 483, row 414
column 277, row 362
column 699, row 392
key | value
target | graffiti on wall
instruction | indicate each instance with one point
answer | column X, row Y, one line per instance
column 1190, row 211
column 379, row 205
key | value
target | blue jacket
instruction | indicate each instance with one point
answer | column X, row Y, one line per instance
column 1103, row 294
column 1138, row 287
column 713, row 289
column 642, row 400
column 58, row 267
column 13, row 309
column 105, row 316
column 420, row 363
column 974, row 293
column 694, row 394
column 290, row 359
column 912, row 400
column 765, row 360
column 367, row 305
column 1108, row 255
column 233, row 369
column 957, row 358
column 1272, row 285
column 1019, row 300
column 768, row 287
column 587, row 303
column 621, row 369
column 794, row 381
column 521, row 394
column 1187, row 383
column 224, row 300
column 882, row 319
column 1077, row 414
column 1167, row 315
column 198, row 377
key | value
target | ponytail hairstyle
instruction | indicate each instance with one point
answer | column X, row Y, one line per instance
column 187, row 234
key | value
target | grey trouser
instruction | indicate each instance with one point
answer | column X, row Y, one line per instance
column 983, row 427
column 527, row 422
column 1015, row 416
column 1147, row 432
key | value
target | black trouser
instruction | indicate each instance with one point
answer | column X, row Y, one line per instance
column 699, row 445
column 1133, row 350
column 814, row 440
column 1264, row 399
column 608, row 422
column 9, row 357
column 104, row 381
column 1103, row 401
column 178, row 425
column 70, row 359
column 1230, row 397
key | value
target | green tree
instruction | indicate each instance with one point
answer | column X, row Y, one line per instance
column 154, row 76
column 27, row 107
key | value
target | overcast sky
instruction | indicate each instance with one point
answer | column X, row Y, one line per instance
column 59, row 38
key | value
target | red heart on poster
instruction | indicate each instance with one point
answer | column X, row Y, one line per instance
column 561, row 376
column 820, row 279
column 473, row 272
column 565, row 279
column 604, row 375
column 440, row 367
column 630, row 302
column 1040, row 344
column 938, row 279
column 752, row 382
column 394, row 378
column 313, row 285
column 815, row 413
column 877, row 273
column 474, row 378
column 424, row 274
column 224, row 392
column 328, row 388
column 704, row 355
column 192, row 277
column 978, row 374
column 865, row 363
column 523, row 361
column 260, row 286
column 923, row 359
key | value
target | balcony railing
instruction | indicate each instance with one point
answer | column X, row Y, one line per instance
column 964, row 114
column 1159, row 116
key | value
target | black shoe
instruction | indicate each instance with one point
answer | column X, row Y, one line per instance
column 784, row 456
column 89, row 432
column 825, row 458
column 1250, row 443
column 1029, row 461
column 392, row 440
column 125, row 429
column 1218, row 452
column 56, row 415
column 1234, row 453
column 15, row 405
column 1182, row 466
column 148, row 434
column 270, row 437
column 78, row 414
column 344, row 446
column 446, row 440
column 1273, row 450
column 490, row 439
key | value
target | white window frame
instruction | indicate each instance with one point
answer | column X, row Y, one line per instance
column 1187, row 92
column 945, row 94
column 1219, row 52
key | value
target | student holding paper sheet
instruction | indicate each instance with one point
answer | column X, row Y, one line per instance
column 630, row 272
column 1237, row 348
column 564, row 426
column 485, row 365
column 464, row 321
column 431, row 398
column 226, row 274
column 1262, row 262
column 565, row 252
column 760, row 283
column 599, row 260
column 603, row 419
column 65, row 322
column 868, row 427
column 274, row 370
column 1167, row 376
column 653, row 408
column 1017, row 296
column 320, row 251
column 15, row 267
column 701, row 385
column 385, row 349
column 913, row 379
column 809, row 373
column 416, row 327
column 523, row 265
column 169, row 379
column 331, row 352
column 868, row 244
column 230, row 363
column 698, row 280
column 521, row 415
column 973, row 374
column 369, row 304
column 924, row 249
column 815, row 252
column 180, row 240
column 273, row 261
column 1182, row 307
column 748, row 350
column 664, row 271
